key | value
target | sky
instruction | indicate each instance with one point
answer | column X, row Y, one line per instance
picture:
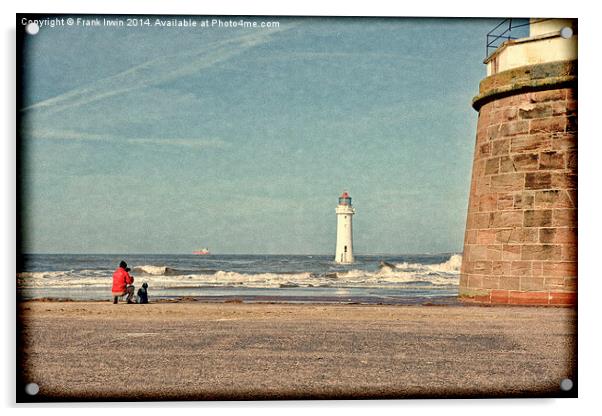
column 166, row 140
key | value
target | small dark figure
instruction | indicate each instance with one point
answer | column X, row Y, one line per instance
column 143, row 293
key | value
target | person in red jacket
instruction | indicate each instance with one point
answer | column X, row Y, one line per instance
column 123, row 283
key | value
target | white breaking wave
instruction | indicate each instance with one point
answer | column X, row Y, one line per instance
column 162, row 277
column 446, row 273
column 40, row 275
column 450, row 266
column 152, row 270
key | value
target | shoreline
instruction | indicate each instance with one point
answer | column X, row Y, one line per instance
column 440, row 301
column 273, row 300
column 190, row 350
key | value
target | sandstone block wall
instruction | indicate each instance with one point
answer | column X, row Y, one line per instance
column 520, row 245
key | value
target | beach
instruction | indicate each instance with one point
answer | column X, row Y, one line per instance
column 191, row 350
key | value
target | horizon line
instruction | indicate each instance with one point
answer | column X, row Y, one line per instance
column 240, row 254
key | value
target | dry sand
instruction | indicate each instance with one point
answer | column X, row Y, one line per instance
column 178, row 351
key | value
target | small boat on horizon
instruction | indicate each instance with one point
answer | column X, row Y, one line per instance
column 202, row 252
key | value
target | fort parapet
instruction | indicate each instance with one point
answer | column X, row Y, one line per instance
column 520, row 245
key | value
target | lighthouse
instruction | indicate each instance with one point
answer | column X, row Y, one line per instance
column 344, row 248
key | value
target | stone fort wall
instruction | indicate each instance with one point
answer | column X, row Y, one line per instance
column 520, row 245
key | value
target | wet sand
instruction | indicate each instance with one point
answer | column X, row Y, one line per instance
column 193, row 350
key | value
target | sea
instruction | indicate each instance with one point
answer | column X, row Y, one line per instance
column 376, row 279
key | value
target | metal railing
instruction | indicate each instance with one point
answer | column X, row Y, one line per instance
column 503, row 32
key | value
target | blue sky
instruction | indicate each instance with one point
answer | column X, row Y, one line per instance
column 156, row 140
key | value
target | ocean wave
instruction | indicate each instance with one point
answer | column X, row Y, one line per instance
column 154, row 270
column 41, row 275
column 388, row 275
column 451, row 266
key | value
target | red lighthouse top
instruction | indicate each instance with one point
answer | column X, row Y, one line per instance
column 344, row 199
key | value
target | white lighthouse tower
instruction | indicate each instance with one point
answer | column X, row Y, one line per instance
column 344, row 249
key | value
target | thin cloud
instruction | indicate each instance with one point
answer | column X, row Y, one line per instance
column 191, row 142
column 155, row 71
column 54, row 134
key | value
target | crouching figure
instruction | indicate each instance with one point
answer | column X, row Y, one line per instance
column 123, row 283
